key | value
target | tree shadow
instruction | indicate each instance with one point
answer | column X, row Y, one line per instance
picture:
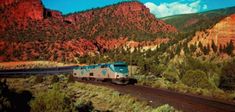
column 12, row 101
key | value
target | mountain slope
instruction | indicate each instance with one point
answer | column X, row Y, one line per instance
column 31, row 32
column 198, row 21
column 29, row 20
column 220, row 35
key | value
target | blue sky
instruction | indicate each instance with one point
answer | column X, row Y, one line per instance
column 160, row 8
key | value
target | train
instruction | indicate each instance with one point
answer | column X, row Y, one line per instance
column 116, row 72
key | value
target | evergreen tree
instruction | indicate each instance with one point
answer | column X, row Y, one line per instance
column 186, row 49
column 177, row 50
column 213, row 46
column 221, row 49
column 229, row 48
column 206, row 50
column 193, row 48
column 200, row 44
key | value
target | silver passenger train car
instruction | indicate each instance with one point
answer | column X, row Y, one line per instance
column 116, row 72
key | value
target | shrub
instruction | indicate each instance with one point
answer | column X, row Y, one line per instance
column 171, row 74
column 38, row 79
column 70, row 78
column 11, row 101
column 161, row 83
column 164, row 108
column 228, row 76
column 51, row 101
column 196, row 78
column 55, row 79
column 85, row 107
column 5, row 103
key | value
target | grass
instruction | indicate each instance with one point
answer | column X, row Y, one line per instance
column 79, row 97
column 104, row 98
column 163, row 83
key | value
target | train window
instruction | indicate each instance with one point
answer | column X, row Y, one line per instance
column 104, row 66
column 91, row 74
column 120, row 65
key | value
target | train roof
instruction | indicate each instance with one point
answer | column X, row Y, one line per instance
column 96, row 65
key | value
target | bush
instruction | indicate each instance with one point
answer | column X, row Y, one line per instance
column 51, row 101
column 5, row 103
column 55, row 79
column 85, row 107
column 38, row 79
column 70, row 78
column 164, row 108
column 197, row 79
column 171, row 74
column 228, row 76
column 11, row 101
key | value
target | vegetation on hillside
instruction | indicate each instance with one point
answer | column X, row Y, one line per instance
column 127, row 19
column 175, row 65
column 72, row 97
column 173, row 68
column 198, row 21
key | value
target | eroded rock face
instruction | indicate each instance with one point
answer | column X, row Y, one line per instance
column 222, row 33
column 128, row 19
column 28, row 31
column 68, row 50
column 17, row 13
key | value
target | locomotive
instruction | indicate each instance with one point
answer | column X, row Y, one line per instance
column 115, row 72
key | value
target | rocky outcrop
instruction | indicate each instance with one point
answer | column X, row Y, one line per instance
column 222, row 33
column 127, row 19
column 68, row 50
column 28, row 31
column 17, row 13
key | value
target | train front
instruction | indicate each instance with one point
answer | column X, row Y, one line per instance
column 121, row 73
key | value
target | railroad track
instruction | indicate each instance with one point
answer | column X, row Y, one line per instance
column 36, row 71
column 155, row 96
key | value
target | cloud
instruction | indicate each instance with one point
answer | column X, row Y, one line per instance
column 204, row 7
column 168, row 9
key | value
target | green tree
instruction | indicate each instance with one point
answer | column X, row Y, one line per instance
column 214, row 47
column 186, row 49
column 177, row 50
column 229, row 48
column 228, row 76
column 206, row 50
column 193, row 48
column 197, row 79
column 200, row 45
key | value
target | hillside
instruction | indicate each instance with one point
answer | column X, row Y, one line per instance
column 29, row 31
column 198, row 21
column 220, row 36
column 30, row 20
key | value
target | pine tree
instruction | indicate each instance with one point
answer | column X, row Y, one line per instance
column 200, row 45
column 220, row 48
column 186, row 49
column 177, row 50
column 206, row 50
column 229, row 48
column 214, row 47
column 193, row 48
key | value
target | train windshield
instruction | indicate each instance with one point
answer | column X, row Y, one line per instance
column 121, row 68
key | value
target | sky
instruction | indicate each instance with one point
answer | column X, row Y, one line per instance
column 160, row 8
